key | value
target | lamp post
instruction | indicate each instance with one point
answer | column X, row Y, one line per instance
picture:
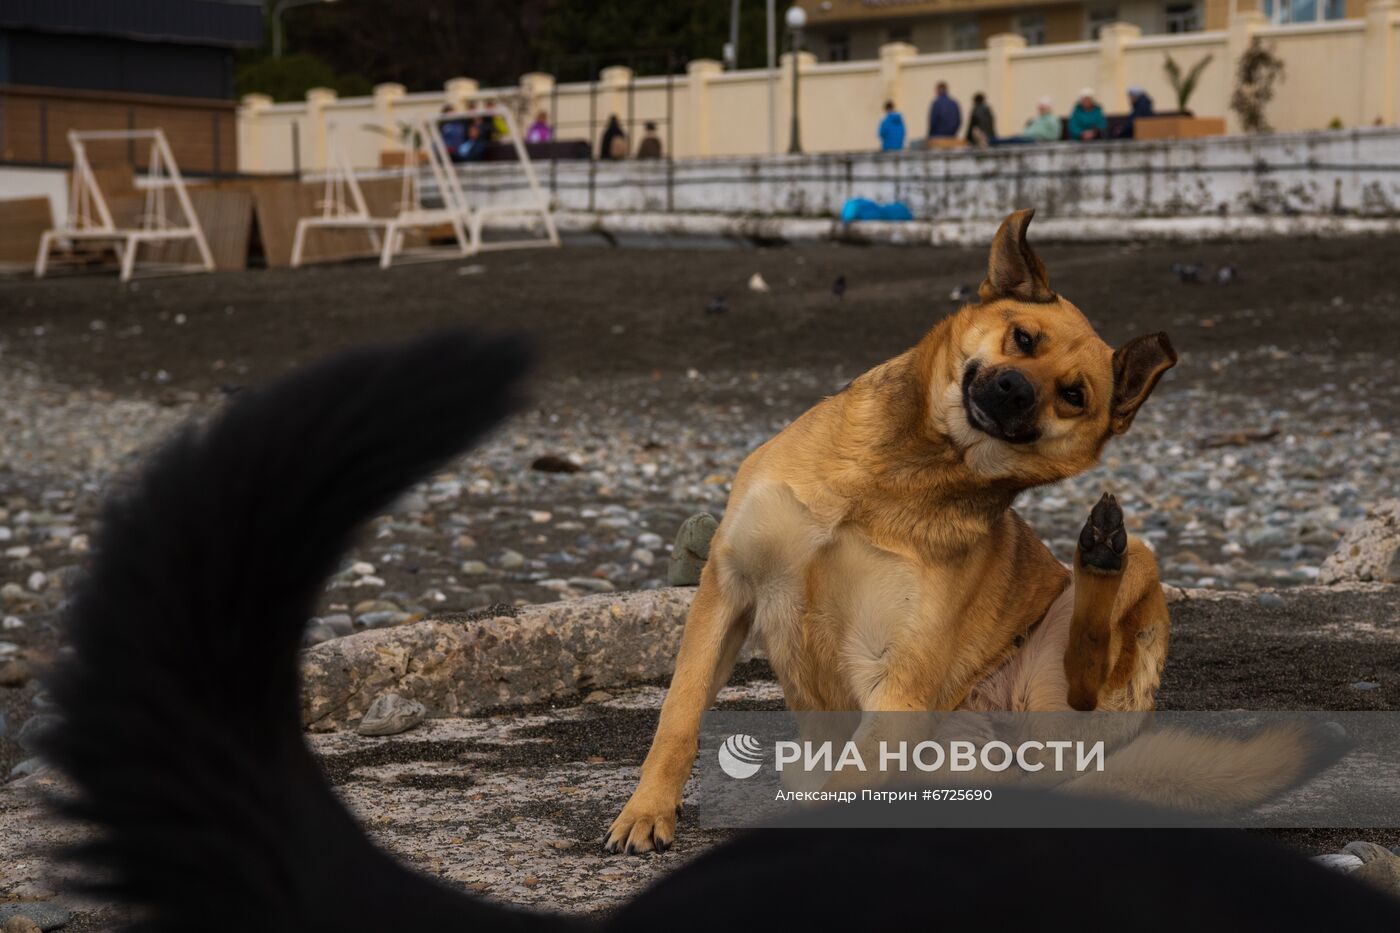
column 277, row 10
column 796, row 18
column 772, row 79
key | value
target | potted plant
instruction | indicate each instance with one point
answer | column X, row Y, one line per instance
column 1181, row 124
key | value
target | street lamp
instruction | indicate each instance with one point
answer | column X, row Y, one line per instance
column 277, row 9
column 796, row 18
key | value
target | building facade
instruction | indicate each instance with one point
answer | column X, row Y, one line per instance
column 848, row 30
column 180, row 48
column 103, row 65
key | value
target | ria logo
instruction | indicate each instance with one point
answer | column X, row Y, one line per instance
column 741, row 756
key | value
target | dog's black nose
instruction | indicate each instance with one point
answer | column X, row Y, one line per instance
column 1014, row 391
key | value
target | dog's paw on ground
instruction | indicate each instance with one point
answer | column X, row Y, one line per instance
column 640, row 829
column 1104, row 540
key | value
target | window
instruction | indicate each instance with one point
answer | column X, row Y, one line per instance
column 1282, row 12
column 966, row 36
column 1031, row 28
column 1183, row 17
column 1099, row 17
column 838, row 47
column 899, row 34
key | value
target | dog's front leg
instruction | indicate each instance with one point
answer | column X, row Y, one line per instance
column 714, row 632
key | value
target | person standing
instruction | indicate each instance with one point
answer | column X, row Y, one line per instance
column 891, row 129
column 944, row 114
column 981, row 123
column 614, row 143
column 1087, row 121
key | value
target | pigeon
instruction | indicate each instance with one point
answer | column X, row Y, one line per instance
column 756, row 283
column 962, row 294
column 1226, row 274
column 838, row 288
column 718, row 305
column 1187, row 272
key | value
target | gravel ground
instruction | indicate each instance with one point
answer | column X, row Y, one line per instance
column 1269, row 439
column 658, row 402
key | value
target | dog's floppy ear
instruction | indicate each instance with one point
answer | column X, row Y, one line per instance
column 1014, row 270
column 1137, row 365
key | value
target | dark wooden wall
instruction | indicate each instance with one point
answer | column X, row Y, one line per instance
column 34, row 123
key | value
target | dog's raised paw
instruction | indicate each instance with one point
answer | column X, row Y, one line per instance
column 1103, row 540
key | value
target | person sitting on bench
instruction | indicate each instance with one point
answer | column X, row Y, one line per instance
column 1087, row 121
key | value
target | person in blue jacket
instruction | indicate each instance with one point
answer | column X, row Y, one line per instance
column 944, row 114
column 891, row 129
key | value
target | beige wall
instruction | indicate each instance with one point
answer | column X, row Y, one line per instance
column 1347, row 70
column 1047, row 70
column 1145, row 58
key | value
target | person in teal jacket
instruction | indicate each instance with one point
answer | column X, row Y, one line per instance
column 891, row 129
column 1087, row 121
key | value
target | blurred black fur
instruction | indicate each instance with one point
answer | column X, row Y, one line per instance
column 181, row 721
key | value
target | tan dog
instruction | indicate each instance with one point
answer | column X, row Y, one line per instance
column 871, row 545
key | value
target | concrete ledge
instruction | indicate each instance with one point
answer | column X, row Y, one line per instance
column 458, row 666
column 619, row 227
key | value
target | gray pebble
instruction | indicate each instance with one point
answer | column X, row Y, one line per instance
column 27, row 767
column 391, row 714
column 33, row 728
column 318, row 633
column 691, row 550
column 340, row 623
column 382, row 619
column 591, row 584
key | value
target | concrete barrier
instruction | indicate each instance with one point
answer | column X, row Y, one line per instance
column 456, row 666
column 659, row 229
column 1353, row 173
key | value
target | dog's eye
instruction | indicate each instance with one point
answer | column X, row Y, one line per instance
column 1023, row 341
column 1073, row 395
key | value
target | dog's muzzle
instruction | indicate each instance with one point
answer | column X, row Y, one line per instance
column 1001, row 402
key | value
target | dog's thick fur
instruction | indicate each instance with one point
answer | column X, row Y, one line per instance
column 181, row 733
column 872, row 548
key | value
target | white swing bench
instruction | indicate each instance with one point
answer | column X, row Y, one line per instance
column 90, row 216
column 343, row 205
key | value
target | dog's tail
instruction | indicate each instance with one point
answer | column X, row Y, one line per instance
column 1208, row 775
column 180, row 724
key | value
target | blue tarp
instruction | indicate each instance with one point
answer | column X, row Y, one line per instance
column 866, row 209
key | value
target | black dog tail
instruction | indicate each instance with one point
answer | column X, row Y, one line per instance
column 180, row 709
